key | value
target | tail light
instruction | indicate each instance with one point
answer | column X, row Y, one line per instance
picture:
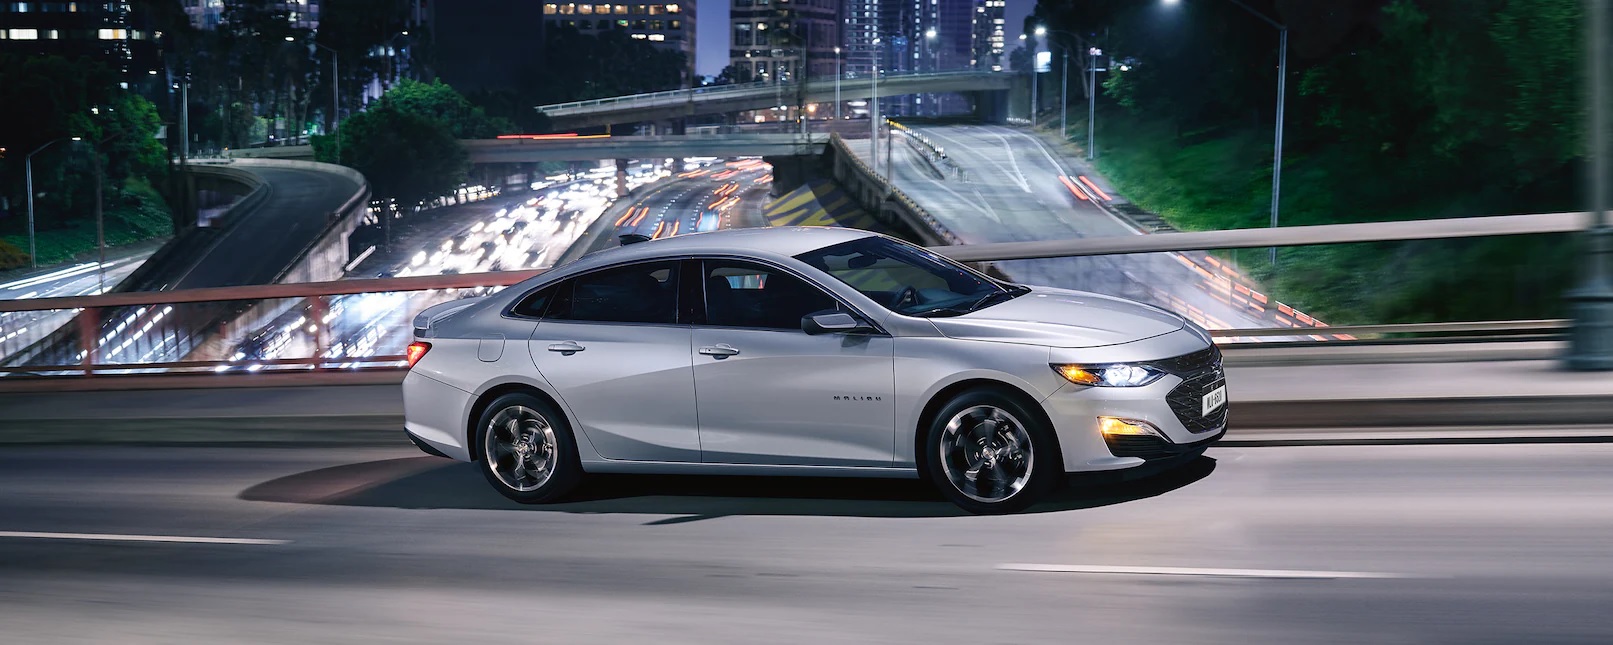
column 416, row 351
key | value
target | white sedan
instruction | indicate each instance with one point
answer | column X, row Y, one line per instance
column 806, row 351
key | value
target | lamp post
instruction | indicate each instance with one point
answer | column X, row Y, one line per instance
column 1092, row 101
column 28, row 183
column 1282, row 92
column 873, row 110
column 335, row 94
column 840, row 70
column 933, row 60
column 1039, row 31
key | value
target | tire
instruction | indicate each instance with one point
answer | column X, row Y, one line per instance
column 1021, row 465
column 526, row 449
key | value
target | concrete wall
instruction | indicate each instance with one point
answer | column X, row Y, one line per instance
column 889, row 204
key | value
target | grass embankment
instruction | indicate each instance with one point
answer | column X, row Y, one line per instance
column 1221, row 178
column 134, row 214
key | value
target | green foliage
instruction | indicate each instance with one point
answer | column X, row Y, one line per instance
column 1399, row 109
column 12, row 257
column 439, row 101
column 408, row 157
column 47, row 100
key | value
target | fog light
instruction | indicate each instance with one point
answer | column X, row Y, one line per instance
column 1117, row 427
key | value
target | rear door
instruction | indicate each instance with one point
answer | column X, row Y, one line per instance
column 770, row 393
column 610, row 343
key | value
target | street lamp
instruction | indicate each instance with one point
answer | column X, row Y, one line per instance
column 1282, row 92
column 335, row 94
column 1092, row 92
column 28, row 173
column 873, row 110
column 935, row 65
column 1039, row 31
column 840, row 70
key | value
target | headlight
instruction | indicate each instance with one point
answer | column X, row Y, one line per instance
column 1117, row 375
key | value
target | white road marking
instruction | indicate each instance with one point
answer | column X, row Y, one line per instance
column 113, row 537
column 1194, row 571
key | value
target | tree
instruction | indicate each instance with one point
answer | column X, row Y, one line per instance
column 439, row 101
column 733, row 74
column 406, row 156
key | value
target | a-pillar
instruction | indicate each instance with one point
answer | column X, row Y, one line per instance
column 621, row 177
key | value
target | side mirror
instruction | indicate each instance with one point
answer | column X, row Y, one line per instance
column 832, row 322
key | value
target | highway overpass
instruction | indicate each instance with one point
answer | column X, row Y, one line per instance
column 589, row 148
column 723, row 99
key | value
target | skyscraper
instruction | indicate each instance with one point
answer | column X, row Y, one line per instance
column 781, row 40
column 986, row 48
column 667, row 25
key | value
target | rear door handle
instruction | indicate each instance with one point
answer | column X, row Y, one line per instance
column 567, row 348
column 718, row 351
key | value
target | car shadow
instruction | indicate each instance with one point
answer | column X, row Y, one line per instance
column 435, row 483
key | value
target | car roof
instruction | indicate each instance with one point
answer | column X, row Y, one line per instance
column 768, row 241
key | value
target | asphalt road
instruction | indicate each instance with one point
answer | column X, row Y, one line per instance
column 1390, row 544
column 1010, row 191
column 260, row 245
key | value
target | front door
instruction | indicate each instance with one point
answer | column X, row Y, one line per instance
column 770, row 393
column 612, row 347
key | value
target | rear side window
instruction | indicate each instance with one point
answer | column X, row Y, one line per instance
column 637, row 293
column 534, row 305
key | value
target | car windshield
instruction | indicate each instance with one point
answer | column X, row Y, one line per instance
column 907, row 279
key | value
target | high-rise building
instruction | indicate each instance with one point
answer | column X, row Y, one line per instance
column 782, row 40
column 668, row 25
column 917, row 36
column 986, row 48
column 858, row 36
column 116, row 33
column 207, row 14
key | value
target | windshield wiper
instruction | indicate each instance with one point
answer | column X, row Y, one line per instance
column 1009, row 293
column 953, row 310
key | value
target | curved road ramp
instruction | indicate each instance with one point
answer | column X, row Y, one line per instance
column 290, row 224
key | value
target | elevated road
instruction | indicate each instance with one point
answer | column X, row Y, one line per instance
column 721, row 99
column 1014, row 188
column 1331, row 544
column 594, row 148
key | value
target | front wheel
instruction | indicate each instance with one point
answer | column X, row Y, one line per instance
column 528, row 453
column 989, row 454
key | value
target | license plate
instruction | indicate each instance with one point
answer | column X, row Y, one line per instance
column 1214, row 400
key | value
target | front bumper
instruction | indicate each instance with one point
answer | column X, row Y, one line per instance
column 1170, row 404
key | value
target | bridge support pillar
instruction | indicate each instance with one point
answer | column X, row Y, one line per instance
column 621, row 177
column 791, row 172
column 990, row 106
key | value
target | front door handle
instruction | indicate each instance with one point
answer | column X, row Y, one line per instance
column 719, row 351
column 567, row 348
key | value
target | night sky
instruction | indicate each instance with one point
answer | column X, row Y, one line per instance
column 712, row 34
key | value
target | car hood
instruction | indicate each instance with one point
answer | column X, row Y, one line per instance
column 1061, row 318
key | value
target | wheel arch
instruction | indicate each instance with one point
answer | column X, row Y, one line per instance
column 486, row 398
column 938, row 400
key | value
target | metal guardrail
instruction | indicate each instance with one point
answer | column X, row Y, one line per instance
column 718, row 91
column 88, row 308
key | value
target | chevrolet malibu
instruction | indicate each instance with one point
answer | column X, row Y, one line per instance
column 806, row 351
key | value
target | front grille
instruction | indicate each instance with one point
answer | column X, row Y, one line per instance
column 1187, row 401
column 1201, row 373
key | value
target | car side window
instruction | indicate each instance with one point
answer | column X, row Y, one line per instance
column 534, row 305
column 637, row 293
column 746, row 294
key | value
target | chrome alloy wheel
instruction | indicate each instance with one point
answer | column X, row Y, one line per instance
column 986, row 454
column 520, row 448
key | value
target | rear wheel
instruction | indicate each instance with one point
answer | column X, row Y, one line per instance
column 989, row 454
column 528, row 453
